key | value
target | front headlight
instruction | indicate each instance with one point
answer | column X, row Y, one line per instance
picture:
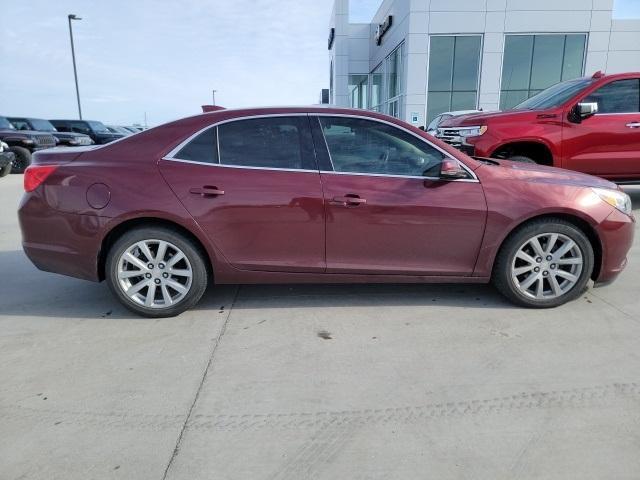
column 27, row 141
column 615, row 198
column 472, row 131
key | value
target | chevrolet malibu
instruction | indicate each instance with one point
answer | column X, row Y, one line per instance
column 286, row 195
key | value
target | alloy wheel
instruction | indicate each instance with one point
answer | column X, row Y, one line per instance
column 154, row 273
column 547, row 266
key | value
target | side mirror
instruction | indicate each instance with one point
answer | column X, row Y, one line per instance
column 583, row 110
column 451, row 170
column 587, row 109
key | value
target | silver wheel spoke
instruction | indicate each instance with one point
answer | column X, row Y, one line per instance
column 568, row 245
column 175, row 259
column 166, row 296
column 540, row 288
column 570, row 261
column 137, row 287
column 151, row 295
column 144, row 248
column 162, row 250
column 130, row 273
column 520, row 270
column 135, row 261
column 535, row 244
column 529, row 280
column 176, row 286
column 524, row 256
column 555, row 286
column 180, row 272
column 569, row 276
column 553, row 238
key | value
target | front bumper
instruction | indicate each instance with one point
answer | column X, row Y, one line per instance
column 616, row 233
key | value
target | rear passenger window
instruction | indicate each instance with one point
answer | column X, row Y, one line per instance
column 621, row 96
column 272, row 142
column 203, row 148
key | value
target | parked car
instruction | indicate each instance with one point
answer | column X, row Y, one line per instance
column 69, row 139
column 119, row 130
column 432, row 128
column 23, row 143
column 314, row 195
column 6, row 159
column 133, row 128
column 98, row 132
column 589, row 124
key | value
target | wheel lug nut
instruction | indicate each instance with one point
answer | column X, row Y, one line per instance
column 553, row 265
column 537, row 269
column 549, row 257
column 148, row 275
column 545, row 273
column 157, row 281
column 539, row 259
column 161, row 265
column 165, row 275
column 150, row 266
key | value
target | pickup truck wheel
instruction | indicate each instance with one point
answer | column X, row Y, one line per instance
column 544, row 264
column 22, row 160
column 521, row 158
column 6, row 170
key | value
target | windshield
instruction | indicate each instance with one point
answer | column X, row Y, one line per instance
column 555, row 95
column 4, row 123
column 98, row 127
column 41, row 125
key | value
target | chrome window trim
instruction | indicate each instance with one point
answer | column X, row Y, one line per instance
column 411, row 177
column 219, row 165
column 473, row 178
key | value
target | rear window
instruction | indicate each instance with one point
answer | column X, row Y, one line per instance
column 203, row 148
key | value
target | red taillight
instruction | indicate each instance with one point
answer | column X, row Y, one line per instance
column 34, row 175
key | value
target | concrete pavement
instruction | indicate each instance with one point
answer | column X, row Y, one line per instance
column 322, row 382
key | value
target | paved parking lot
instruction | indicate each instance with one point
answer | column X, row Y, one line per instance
column 327, row 382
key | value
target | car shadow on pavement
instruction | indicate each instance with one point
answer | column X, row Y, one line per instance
column 32, row 293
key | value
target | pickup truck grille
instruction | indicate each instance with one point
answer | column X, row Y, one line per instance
column 450, row 136
column 45, row 141
column 84, row 140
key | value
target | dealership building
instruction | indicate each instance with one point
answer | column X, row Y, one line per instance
column 419, row 58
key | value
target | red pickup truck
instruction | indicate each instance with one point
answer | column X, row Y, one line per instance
column 589, row 124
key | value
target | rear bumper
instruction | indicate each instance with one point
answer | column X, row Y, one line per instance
column 58, row 242
column 616, row 234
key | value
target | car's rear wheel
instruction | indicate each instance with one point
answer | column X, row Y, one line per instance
column 544, row 264
column 156, row 271
column 22, row 160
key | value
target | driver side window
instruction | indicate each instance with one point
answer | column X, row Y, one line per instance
column 365, row 146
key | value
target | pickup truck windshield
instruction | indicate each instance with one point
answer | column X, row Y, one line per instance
column 41, row 125
column 4, row 123
column 98, row 127
column 555, row 95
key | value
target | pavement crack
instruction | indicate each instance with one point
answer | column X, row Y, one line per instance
column 176, row 449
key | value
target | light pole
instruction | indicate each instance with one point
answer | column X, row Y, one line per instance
column 73, row 56
column 214, row 96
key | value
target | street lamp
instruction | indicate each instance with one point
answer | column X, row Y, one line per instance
column 73, row 56
column 214, row 96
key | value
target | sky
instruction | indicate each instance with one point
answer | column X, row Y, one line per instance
column 164, row 57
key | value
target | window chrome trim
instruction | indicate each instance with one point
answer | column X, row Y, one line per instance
column 473, row 178
column 219, row 165
column 408, row 177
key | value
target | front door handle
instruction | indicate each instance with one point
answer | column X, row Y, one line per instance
column 349, row 200
column 207, row 191
column 633, row 125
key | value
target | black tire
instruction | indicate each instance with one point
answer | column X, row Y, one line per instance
column 502, row 278
column 521, row 158
column 22, row 160
column 6, row 170
column 196, row 258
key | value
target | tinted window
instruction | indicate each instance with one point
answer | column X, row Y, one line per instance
column 365, row 146
column 20, row 125
column 273, row 142
column 4, row 123
column 202, row 148
column 453, row 73
column 533, row 63
column 622, row 96
column 554, row 96
column 80, row 127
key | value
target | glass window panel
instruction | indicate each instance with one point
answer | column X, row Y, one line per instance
column 262, row 142
column 573, row 56
column 438, row 102
column 466, row 62
column 622, row 96
column 376, row 86
column 546, row 66
column 511, row 98
column 395, row 73
column 517, row 62
column 358, row 90
column 441, row 63
column 203, row 148
column 463, row 101
column 365, row 146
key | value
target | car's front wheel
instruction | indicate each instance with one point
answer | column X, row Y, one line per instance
column 156, row 271
column 22, row 159
column 544, row 264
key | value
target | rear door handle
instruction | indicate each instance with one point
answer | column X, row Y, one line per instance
column 206, row 191
column 350, row 200
column 633, row 125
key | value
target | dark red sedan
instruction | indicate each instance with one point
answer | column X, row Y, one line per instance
column 314, row 195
